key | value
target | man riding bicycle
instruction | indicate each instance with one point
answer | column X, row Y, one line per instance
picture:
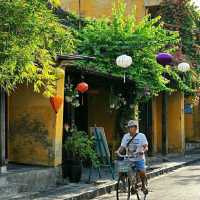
column 135, row 144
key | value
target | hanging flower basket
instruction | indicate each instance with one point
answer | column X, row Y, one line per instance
column 71, row 95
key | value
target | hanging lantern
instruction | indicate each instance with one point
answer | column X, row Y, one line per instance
column 56, row 102
column 164, row 59
column 184, row 67
column 82, row 88
column 124, row 62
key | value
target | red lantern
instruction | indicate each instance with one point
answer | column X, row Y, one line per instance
column 82, row 87
column 56, row 102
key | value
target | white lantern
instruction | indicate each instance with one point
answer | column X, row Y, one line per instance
column 124, row 61
column 184, row 67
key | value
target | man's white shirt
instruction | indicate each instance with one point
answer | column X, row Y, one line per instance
column 135, row 146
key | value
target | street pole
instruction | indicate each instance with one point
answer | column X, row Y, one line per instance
column 2, row 131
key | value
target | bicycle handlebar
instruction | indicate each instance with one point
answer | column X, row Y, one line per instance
column 127, row 156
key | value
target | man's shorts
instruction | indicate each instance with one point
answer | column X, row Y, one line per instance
column 139, row 165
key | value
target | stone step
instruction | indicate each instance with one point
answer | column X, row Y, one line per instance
column 9, row 189
column 33, row 179
column 25, row 183
column 21, row 196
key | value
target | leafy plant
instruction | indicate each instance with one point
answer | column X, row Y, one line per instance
column 30, row 38
column 106, row 39
column 81, row 147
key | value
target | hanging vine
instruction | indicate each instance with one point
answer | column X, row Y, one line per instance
column 30, row 38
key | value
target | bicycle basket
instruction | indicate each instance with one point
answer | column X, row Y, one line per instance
column 123, row 166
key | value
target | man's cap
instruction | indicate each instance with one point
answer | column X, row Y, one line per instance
column 132, row 123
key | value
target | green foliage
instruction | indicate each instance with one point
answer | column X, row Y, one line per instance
column 106, row 39
column 185, row 17
column 80, row 146
column 30, row 38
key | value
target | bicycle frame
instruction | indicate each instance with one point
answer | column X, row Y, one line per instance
column 131, row 176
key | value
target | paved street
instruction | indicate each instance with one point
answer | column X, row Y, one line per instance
column 182, row 184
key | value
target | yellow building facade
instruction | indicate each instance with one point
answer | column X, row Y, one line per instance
column 101, row 8
column 176, row 125
column 35, row 131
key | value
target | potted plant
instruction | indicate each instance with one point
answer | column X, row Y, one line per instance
column 79, row 147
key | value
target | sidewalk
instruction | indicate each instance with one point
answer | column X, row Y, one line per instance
column 155, row 166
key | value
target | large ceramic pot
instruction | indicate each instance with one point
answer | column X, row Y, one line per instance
column 72, row 169
column 75, row 171
column 65, row 170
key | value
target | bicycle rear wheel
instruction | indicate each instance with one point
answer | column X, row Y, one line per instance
column 142, row 194
column 123, row 188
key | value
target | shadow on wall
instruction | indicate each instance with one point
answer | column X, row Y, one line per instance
column 29, row 142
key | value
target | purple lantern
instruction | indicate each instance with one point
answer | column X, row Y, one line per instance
column 164, row 58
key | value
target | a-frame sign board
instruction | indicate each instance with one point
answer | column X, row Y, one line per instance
column 102, row 149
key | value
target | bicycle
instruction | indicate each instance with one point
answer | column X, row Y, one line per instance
column 128, row 181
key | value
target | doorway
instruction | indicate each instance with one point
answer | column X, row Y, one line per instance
column 81, row 114
column 145, row 122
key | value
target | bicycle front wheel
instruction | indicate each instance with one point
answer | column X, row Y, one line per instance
column 123, row 188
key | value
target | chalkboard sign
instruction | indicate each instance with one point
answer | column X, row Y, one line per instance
column 102, row 148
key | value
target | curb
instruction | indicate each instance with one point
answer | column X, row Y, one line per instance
column 107, row 188
column 170, row 169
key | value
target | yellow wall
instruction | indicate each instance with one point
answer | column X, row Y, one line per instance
column 176, row 133
column 152, row 2
column 99, row 8
column 157, row 123
column 189, row 131
column 192, row 122
column 189, row 125
column 176, row 123
column 196, row 123
column 99, row 114
column 35, row 131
